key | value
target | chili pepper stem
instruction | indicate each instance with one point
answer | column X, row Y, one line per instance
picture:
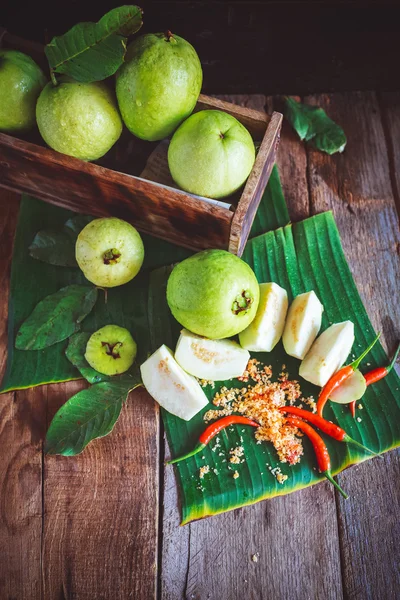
column 329, row 477
column 355, row 364
column 350, row 440
column 196, row 449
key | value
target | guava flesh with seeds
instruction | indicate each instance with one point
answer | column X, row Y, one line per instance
column 211, row 154
column 158, row 85
column 21, row 81
column 109, row 251
column 111, row 350
column 78, row 119
column 213, row 293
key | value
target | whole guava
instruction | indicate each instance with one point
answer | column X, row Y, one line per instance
column 111, row 350
column 78, row 119
column 158, row 85
column 21, row 81
column 211, row 154
column 109, row 251
column 213, row 293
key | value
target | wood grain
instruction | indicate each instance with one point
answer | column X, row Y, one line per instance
column 390, row 111
column 22, row 418
column 357, row 187
column 211, row 559
column 100, row 529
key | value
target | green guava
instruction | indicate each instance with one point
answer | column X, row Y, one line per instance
column 21, row 81
column 213, row 293
column 109, row 251
column 158, row 85
column 111, row 350
column 78, row 119
column 211, row 154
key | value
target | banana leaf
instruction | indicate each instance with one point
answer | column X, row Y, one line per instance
column 301, row 257
column 32, row 280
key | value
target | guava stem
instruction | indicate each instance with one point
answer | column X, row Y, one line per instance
column 168, row 35
column 53, row 77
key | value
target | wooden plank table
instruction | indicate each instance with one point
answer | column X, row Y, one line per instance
column 105, row 524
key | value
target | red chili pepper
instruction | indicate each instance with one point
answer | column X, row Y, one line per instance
column 374, row 376
column 338, row 378
column 320, row 449
column 211, row 431
column 336, row 432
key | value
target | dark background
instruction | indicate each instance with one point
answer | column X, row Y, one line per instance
column 268, row 47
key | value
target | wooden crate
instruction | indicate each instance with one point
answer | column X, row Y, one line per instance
column 102, row 190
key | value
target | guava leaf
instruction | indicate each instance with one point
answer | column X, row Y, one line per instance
column 75, row 353
column 94, row 51
column 58, row 247
column 313, row 124
column 90, row 414
column 56, row 317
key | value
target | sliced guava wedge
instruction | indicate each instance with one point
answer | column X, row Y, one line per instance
column 214, row 360
column 174, row 389
column 328, row 353
column 266, row 329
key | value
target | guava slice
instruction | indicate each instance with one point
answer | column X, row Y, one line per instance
column 303, row 323
column 351, row 389
column 328, row 353
column 111, row 350
column 213, row 293
column 265, row 331
column 174, row 389
column 109, row 251
column 213, row 360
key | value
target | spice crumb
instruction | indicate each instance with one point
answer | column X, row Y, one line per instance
column 360, row 406
column 235, row 475
column 236, row 454
column 203, row 471
column 359, row 419
column 254, row 557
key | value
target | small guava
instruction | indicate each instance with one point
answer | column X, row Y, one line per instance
column 213, row 293
column 109, row 251
column 111, row 350
column 21, row 81
column 78, row 119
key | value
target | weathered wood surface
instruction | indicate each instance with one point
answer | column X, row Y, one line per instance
column 357, row 187
column 311, row 543
column 82, row 527
column 86, row 527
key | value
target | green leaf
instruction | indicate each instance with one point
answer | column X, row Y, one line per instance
column 53, row 247
column 56, row 317
column 312, row 123
column 58, row 247
column 75, row 353
column 90, row 414
column 94, row 51
column 301, row 257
